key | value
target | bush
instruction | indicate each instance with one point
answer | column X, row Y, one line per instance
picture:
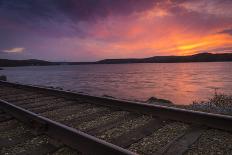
column 219, row 103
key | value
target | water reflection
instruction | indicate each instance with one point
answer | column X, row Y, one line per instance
column 181, row 83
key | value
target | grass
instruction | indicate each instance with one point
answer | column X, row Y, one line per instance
column 219, row 103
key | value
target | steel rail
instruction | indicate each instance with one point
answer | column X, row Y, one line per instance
column 217, row 121
column 73, row 138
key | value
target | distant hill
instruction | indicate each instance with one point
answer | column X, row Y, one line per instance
column 35, row 62
column 201, row 57
column 30, row 62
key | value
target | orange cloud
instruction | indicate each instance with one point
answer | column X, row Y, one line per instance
column 159, row 32
column 14, row 50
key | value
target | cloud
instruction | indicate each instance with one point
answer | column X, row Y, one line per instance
column 227, row 31
column 76, row 17
column 15, row 50
column 62, row 18
column 222, row 50
column 76, row 10
column 93, row 29
column 221, row 8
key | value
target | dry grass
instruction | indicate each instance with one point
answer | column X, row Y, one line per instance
column 219, row 103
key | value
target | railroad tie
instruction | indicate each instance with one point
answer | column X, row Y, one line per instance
column 136, row 134
column 181, row 143
column 109, row 125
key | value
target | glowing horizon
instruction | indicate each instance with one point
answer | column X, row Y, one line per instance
column 88, row 30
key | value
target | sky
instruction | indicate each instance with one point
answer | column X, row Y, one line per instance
column 90, row 30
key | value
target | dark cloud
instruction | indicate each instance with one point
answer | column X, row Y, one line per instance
column 90, row 9
column 76, row 10
column 57, row 18
column 60, row 17
column 227, row 31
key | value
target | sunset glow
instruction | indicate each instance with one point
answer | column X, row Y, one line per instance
column 89, row 31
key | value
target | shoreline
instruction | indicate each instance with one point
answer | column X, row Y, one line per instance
column 98, row 64
column 213, row 105
column 200, row 57
column 217, row 104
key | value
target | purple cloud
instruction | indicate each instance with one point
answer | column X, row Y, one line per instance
column 227, row 31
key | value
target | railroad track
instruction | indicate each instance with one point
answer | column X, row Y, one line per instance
column 84, row 124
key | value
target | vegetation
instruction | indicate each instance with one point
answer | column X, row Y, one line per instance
column 219, row 103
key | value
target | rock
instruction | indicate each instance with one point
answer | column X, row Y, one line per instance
column 3, row 78
column 58, row 88
column 108, row 96
column 157, row 101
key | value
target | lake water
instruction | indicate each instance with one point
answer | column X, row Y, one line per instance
column 181, row 83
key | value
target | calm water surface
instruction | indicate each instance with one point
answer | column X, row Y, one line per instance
column 181, row 83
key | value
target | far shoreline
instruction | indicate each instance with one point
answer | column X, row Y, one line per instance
column 196, row 58
column 4, row 67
